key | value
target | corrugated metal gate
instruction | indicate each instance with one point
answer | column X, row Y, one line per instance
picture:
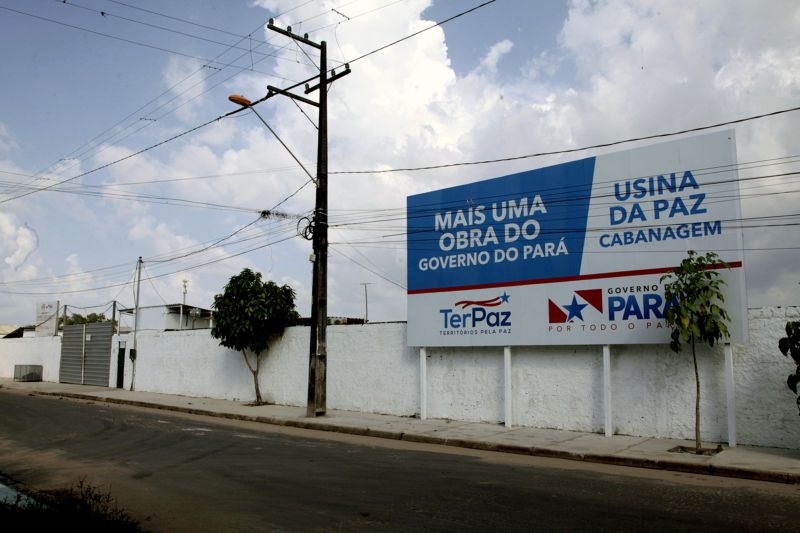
column 86, row 354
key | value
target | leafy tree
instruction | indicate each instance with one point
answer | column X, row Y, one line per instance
column 694, row 312
column 249, row 314
column 790, row 345
column 77, row 318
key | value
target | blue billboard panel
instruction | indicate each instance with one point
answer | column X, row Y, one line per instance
column 515, row 228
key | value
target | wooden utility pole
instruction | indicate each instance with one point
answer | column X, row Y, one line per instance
column 366, row 303
column 318, row 352
column 136, row 319
column 317, row 364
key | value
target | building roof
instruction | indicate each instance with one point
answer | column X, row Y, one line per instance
column 171, row 308
column 18, row 332
column 5, row 329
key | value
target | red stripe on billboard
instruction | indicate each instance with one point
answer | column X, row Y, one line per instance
column 604, row 275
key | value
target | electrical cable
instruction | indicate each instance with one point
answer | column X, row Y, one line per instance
column 185, row 21
column 215, row 243
column 175, row 108
column 226, row 115
column 123, row 39
column 440, row 23
column 153, row 285
column 108, row 14
column 185, row 269
column 571, row 150
column 125, row 158
column 339, row 252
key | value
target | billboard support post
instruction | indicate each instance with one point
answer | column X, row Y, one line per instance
column 607, row 413
column 507, row 384
column 423, row 384
column 730, row 394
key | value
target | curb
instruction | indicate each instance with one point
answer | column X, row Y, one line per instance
column 535, row 451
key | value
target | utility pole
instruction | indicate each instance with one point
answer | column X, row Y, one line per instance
column 113, row 317
column 317, row 366
column 55, row 317
column 366, row 303
column 136, row 319
column 180, row 319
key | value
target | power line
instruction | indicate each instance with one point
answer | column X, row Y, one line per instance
column 153, row 285
column 398, row 41
column 241, row 69
column 185, row 269
column 125, row 158
column 185, row 21
column 153, row 259
column 104, row 304
column 108, row 14
column 339, row 252
column 566, row 200
column 212, row 245
column 571, row 150
column 144, row 198
column 269, row 95
column 123, row 39
column 152, row 181
column 175, row 108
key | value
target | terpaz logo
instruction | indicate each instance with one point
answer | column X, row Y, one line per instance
column 562, row 312
column 477, row 314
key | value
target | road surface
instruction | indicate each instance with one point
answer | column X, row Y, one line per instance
column 195, row 473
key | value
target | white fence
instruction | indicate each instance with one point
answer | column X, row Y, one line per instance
column 371, row 369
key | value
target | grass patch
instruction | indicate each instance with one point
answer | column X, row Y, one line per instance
column 81, row 507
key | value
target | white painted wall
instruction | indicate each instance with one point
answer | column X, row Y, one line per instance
column 766, row 412
column 45, row 351
column 371, row 369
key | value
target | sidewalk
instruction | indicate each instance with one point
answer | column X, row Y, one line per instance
column 749, row 462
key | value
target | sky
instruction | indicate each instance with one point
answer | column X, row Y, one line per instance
column 89, row 84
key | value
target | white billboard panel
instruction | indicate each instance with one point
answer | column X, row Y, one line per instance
column 46, row 319
column 573, row 253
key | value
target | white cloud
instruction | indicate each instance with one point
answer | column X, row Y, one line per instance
column 7, row 142
column 186, row 79
column 495, row 54
column 26, row 241
column 640, row 68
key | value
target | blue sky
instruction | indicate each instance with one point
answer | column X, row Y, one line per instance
column 514, row 77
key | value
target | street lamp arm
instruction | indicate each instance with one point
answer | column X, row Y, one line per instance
column 284, row 145
column 247, row 104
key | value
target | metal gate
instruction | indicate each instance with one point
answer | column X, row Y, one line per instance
column 86, row 354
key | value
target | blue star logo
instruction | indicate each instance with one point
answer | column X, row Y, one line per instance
column 574, row 309
column 504, row 297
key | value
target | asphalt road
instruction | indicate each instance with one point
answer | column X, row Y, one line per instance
column 194, row 473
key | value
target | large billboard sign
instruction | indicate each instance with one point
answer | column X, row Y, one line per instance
column 46, row 319
column 573, row 253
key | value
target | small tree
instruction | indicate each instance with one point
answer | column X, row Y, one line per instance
column 694, row 312
column 790, row 346
column 248, row 314
column 77, row 318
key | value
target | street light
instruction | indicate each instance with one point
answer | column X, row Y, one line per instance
column 241, row 100
column 319, row 312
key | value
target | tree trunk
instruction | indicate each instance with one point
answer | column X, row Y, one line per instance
column 258, row 390
column 255, row 375
column 697, row 443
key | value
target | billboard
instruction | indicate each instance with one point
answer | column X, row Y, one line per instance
column 46, row 319
column 573, row 253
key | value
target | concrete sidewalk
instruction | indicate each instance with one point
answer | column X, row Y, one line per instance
column 765, row 464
